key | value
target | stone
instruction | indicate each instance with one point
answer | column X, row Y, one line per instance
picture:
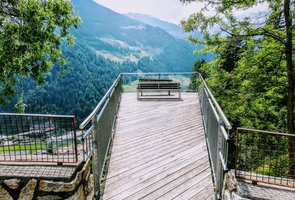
column 86, row 175
column 4, row 194
column 90, row 184
column 27, row 193
column 12, row 183
column 79, row 195
column 90, row 188
column 86, row 170
column 52, row 186
column 50, row 197
column 230, row 195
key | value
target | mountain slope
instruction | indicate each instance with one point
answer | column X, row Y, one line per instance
column 173, row 29
column 120, row 38
column 107, row 43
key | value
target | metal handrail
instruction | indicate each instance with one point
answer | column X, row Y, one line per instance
column 266, row 132
column 217, row 128
column 100, row 104
column 217, row 106
column 37, row 115
column 156, row 73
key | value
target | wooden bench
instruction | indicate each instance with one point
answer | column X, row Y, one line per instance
column 157, row 86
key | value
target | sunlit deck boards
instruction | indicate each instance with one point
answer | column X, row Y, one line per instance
column 159, row 151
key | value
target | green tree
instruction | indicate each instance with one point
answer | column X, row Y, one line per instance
column 277, row 28
column 257, row 70
column 20, row 106
column 31, row 34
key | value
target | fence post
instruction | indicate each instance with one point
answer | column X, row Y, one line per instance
column 95, row 161
column 219, row 166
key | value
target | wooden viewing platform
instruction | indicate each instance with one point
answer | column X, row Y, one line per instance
column 159, row 151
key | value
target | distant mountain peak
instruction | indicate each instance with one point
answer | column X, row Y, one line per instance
column 173, row 29
column 143, row 16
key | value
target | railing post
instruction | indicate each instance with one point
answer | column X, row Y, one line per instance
column 219, row 166
column 96, row 160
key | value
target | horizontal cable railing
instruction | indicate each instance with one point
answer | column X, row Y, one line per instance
column 217, row 128
column 38, row 138
column 263, row 156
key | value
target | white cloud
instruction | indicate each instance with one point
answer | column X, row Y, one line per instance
column 169, row 10
column 172, row 10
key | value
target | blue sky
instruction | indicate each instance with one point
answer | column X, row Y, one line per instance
column 169, row 10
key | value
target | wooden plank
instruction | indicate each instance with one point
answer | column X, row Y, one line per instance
column 168, row 178
column 159, row 150
column 201, row 186
column 156, row 160
column 129, row 186
column 152, row 166
column 155, row 139
column 203, row 193
column 178, row 186
column 150, row 149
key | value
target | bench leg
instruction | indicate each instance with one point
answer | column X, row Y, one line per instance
column 169, row 92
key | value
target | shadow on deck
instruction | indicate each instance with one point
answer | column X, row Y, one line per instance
column 159, row 151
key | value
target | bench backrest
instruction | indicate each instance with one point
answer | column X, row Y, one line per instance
column 154, row 80
column 159, row 85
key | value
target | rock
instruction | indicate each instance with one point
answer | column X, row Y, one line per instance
column 79, row 195
column 90, row 188
column 12, row 183
column 86, row 170
column 27, row 193
column 4, row 194
column 50, row 197
column 90, row 184
column 52, row 186
column 230, row 195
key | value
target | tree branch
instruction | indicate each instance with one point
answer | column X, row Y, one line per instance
column 265, row 33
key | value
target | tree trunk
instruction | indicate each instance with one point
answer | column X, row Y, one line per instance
column 291, row 86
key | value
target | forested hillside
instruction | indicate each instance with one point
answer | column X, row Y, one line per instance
column 106, row 44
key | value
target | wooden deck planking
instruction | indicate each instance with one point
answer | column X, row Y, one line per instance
column 159, row 151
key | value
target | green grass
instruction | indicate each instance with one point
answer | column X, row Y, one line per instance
column 31, row 148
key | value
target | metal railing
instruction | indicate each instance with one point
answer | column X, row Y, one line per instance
column 263, row 156
column 130, row 80
column 37, row 138
column 217, row 128
column 97, row 131
column 98, row 127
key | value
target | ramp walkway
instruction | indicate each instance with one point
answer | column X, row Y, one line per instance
column 159, row 151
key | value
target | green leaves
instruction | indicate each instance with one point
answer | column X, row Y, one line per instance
column 249, row 76
column 31, row 32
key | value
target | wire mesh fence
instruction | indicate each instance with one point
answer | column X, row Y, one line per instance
column 263, row 156
column 37, row 138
